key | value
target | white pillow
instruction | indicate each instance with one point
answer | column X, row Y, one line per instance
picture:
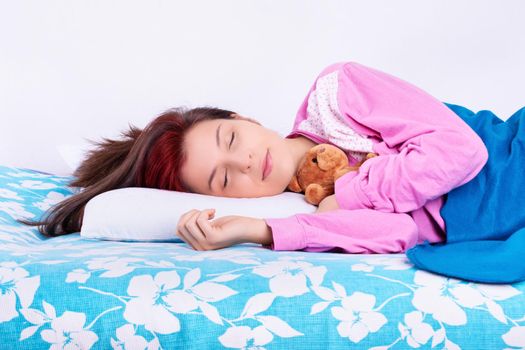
column 72, row 154
column 148, row 214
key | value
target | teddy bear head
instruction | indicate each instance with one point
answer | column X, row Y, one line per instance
column 321, row 166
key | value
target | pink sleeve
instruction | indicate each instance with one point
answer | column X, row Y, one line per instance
column 436, row 150
column 355, row 231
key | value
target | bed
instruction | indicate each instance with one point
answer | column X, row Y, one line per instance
column 78, row 293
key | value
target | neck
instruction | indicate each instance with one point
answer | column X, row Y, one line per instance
column 299, row 146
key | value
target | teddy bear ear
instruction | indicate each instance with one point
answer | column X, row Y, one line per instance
column 294, row 185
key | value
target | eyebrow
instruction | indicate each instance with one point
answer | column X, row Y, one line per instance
column 218, row 146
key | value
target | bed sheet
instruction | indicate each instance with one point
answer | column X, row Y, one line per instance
column 69, row 292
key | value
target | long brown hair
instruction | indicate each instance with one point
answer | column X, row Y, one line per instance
column 151, row 157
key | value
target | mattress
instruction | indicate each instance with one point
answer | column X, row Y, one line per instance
column 78, row 293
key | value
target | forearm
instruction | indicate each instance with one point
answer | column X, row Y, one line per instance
column 355, row 231
column 261, row 233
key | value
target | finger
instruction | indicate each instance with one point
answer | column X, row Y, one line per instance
column 196, row 235
column 180, row 224
column 179, row 233
column 183, row 237
column 193, row 232
column 190, row 240
column 204, row 225
column 202, row 219
column 183, row 231
column 184, row 217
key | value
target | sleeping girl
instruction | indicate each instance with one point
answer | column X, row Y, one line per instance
column 447, row 186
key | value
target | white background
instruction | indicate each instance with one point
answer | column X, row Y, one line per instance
column 77, row 70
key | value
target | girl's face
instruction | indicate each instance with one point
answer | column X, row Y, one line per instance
column 233, row 151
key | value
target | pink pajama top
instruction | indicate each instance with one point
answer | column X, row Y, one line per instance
column 393, row 202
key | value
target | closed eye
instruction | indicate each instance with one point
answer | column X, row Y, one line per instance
column 225, row 178
column 233, row 136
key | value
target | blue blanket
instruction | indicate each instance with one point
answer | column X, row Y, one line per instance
column 485, row 218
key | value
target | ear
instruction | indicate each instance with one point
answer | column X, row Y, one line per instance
column 240, row 117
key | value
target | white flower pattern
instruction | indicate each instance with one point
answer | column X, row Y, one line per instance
column 67, row 332
column 417, row 332
column 358, row 317
column 16, row 287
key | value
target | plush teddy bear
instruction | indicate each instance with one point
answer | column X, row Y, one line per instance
column 322, row 165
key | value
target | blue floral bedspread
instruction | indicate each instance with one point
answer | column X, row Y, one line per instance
column 75, row 293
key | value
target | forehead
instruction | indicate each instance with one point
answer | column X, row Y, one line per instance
column 201, row 150
column 204, row 129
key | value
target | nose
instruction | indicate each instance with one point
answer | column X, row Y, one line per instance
column 242, row 162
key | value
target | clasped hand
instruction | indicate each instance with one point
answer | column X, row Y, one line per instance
column 195, row 229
